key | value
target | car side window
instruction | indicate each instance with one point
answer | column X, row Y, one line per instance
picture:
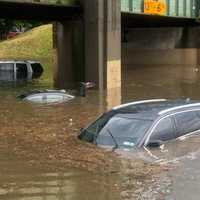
column 37, row 70
column 164, row 130
column 187, row 122
column 7, row 67
column 22, row 71
column 6, row 71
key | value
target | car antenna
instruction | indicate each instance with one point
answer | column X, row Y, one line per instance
column 187, row 100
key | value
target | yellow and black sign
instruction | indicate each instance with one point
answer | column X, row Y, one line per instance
column 155, row 7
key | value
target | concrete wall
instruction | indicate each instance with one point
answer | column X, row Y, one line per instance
column 158, row 57
column 151, row 46
column 153, row 38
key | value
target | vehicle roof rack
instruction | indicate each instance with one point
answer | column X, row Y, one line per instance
column 178, row 107
column 138, row 102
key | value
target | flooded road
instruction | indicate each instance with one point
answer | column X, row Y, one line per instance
column 186, row 179
column 40, row 157
column 24, row 182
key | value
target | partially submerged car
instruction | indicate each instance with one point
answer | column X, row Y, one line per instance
column 20, row 70
column 46, row 96
column 148, row 123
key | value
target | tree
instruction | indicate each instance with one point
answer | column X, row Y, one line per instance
column 24, row 25
column 5, row 27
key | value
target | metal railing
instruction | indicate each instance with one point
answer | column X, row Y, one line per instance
column 173, row 8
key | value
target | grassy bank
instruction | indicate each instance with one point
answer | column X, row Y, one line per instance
column 34, row 44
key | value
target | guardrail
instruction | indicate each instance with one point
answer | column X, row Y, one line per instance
column 172, row 8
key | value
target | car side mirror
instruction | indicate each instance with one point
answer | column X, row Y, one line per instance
column 154, row 143
column 81, row 129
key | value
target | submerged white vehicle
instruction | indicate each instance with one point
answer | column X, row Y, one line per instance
column 13, row 70
column 47, row 96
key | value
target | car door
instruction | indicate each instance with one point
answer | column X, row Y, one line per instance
column 187, row 122
column 163, row 131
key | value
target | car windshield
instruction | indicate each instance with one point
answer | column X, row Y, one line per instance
column 124, row 132
column 90, row 134
column 116, row 131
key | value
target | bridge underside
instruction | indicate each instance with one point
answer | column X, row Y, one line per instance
column 131, row 20
column 29, row 11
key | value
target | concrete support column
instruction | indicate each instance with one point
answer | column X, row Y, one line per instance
column 113, row 44
column 63, row 71
column 112, row 36
column 68, row 51
column 103, row 42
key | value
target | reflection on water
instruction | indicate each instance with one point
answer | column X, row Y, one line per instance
column 186, row 179
column 22, row 120
column 19, row 181
column 160, row 81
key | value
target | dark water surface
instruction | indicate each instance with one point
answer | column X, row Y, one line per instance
column 20, row 181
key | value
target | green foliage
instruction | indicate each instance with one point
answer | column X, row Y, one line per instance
column 26, row 25
column 5, row 27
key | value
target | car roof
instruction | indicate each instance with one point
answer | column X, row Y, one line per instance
column 147, row 116
column 152, row 109
column 34, row 92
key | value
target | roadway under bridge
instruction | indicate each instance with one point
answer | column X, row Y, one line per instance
column 92, row 38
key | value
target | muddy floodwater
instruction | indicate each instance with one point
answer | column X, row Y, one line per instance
column 40, row 157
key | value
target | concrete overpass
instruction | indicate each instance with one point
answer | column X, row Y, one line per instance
column 87, row 33
column 27, row 9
